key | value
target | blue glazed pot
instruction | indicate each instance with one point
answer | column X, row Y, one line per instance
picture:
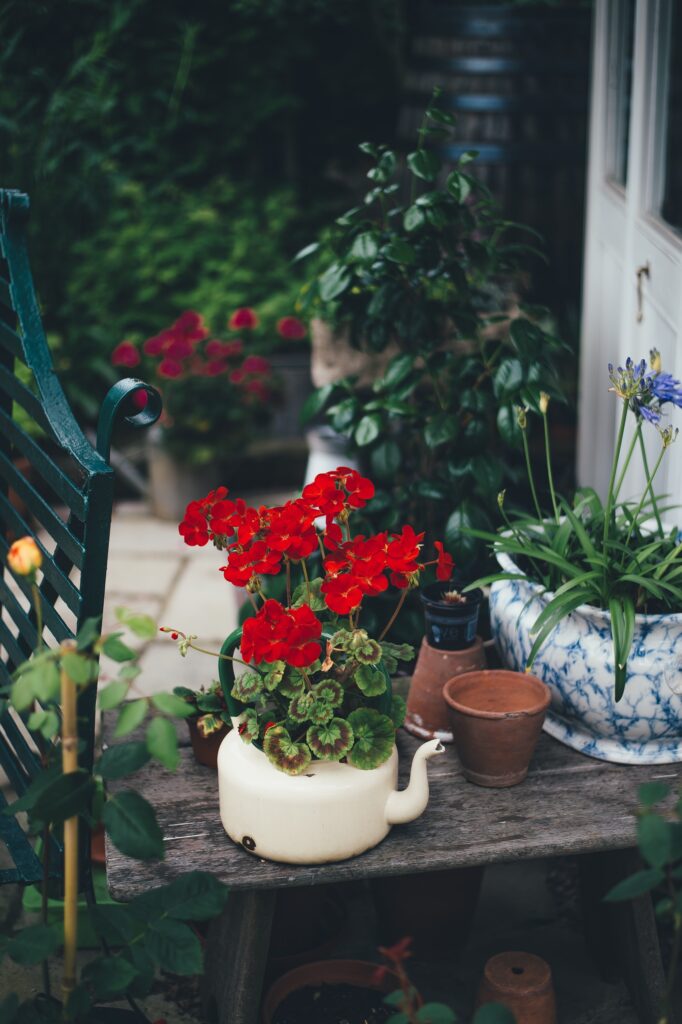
column 450, row 627
column 576, row 663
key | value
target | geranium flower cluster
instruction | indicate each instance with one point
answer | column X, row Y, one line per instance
column 186, row 349
column 264, row 541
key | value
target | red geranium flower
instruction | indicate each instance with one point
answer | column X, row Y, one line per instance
column 243, row 317
column 245, row 563
column 330, row 493
column 140, row 399
column 215, row 367
column 282, row 634
column 291, row 327
column 158, row 343
column 125, row 354
column 179, row 348
column 445, row 563
column 194, row 528
column 190, row 325
column 170, row 368
column 402, row 553
column 291, row 530
column 255, row 364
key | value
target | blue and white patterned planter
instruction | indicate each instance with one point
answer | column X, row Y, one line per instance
column 576, row 662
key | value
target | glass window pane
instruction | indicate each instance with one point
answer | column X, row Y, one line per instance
column 671, row 204
column 619, row 88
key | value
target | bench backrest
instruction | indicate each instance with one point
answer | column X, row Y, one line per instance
column 55, row 486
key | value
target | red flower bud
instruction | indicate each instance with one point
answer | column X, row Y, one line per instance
column 125, row 354
column 243, row 317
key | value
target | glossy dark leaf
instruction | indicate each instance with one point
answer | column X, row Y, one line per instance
column 424, row 164
column 122, row 759
column 132, row 826
column 367, row 430
column 174, row 946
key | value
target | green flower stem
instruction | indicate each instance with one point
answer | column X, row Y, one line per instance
column 645, row 463
column 614, row 468
column 396, row 612
column 650, row 479
column 38, row 605
column 529, row 470
column 548, row 459
column 217, row 654
column 628, row 457
column 307, row 580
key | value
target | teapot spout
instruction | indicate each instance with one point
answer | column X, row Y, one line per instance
column 407, row 804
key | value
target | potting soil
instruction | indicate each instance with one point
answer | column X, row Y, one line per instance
column 333, row 1004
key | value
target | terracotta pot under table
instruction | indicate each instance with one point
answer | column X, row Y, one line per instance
column 496, row 721
column 328, row 972
column 523, row 983
column 427, row 713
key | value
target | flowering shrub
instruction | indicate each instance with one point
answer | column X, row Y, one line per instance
column 214, row 389
column 317, row 684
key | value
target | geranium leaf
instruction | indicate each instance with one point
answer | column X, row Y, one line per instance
column 331, row 741
column 249, row 727
column 374, row 738
column 290, row 757
column 247, row 687
column 299, row 707
column 370, row 681
column 331, row 691
column 398, row 709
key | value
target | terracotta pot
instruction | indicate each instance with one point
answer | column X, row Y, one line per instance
column 436, row 908
column 521, row 982
column 496, row 720
column 206, row 747
column 327, row 972
column 427, row 713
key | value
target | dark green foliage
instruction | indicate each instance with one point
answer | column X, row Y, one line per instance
column 436, row 277
column 151, row 155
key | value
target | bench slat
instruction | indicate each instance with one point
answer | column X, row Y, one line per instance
column 52, row 620
column 61, row 583
column 10, row 340
column 49, row 471
column 6, row 294
column 54, row 525
column 27, row 628
column 18, row 391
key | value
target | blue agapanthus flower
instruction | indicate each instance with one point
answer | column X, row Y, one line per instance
column 645, row 390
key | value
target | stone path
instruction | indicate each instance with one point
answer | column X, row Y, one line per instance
column 152, row 570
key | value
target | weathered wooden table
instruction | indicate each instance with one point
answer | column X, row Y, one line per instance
column 569, row 804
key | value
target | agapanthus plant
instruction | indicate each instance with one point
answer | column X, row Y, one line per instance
column 317, row 685
column 617, row 555
column 211, row 386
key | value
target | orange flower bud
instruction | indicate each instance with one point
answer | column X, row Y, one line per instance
column 24, row 557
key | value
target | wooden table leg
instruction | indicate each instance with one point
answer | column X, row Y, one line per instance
column 236, row 954
column 622, row 937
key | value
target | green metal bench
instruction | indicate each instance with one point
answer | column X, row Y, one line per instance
column 63, row 498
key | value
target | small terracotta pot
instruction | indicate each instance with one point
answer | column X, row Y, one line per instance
column 206, row 747
column 328, row 972
column 496, row 720
column 427, row 713
column 521, row 982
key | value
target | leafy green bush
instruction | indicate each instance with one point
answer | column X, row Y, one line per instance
column 160, row 252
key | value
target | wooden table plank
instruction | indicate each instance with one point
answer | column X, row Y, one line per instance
column 569, row 804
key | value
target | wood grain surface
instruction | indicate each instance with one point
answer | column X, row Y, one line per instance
column 569, row 804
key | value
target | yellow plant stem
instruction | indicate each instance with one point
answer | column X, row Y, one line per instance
column 69, row 764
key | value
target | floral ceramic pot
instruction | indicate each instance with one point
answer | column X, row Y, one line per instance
column 576, row 663
column 331, row 812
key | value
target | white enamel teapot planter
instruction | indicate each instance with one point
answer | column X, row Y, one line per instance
column 330, row 812
column 311, row 772
column 576, row 663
